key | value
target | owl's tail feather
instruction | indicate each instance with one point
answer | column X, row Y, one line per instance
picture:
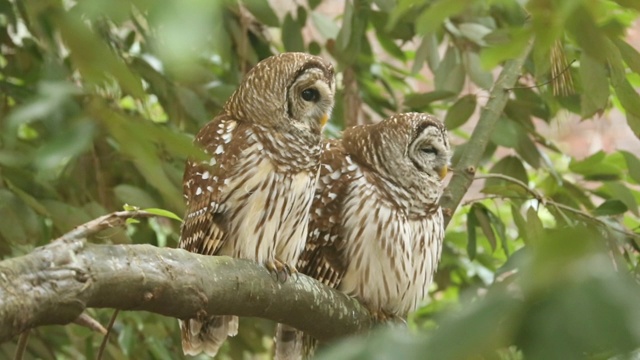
column 207, row 335
column 292, row 344
column 288, row 343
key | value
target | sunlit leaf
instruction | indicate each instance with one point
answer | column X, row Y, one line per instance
column 163, row 213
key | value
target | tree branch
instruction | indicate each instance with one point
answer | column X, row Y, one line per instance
column 55, row 283
column 465, row 169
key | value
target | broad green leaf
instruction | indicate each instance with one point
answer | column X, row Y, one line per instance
column 163, row 213
column 326, row 26
column 633, row 164
column 474, row 69
column 435, row 14
column 610, row 207
column 630, row 55
column 594, row 167
column 490, row 57
column 474, row 32
column 528, row 150
column 421, row 55
column 588, row 35
column 511, row 166
column 634, row 123
column 620, row 191
column 424, row 99
column 292, row 34
column 595, row 86
column 450, row 74
column 460, row 112
column 262, row 11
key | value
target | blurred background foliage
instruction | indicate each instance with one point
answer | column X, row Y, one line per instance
column 100, row 99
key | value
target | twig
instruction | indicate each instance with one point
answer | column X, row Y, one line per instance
column 546, row 82
column 103, row 344
column 546, row 202
column 489, row 116
column 22, row 345
column 510, row 179
column 87, row 321
column 104, row 222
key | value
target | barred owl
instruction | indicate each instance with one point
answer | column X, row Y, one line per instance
column 251, row 199
column 376, row 229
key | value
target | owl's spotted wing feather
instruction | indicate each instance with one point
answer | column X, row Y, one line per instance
column 322, row 258
column 204, row 228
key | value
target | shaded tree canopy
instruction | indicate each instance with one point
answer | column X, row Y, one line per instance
column 100, row 101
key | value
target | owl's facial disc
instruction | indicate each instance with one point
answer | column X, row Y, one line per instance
column 429, row 151
column 310, row 98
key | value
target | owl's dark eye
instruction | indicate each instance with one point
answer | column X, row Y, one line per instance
column 429, row 150
column 310, row 94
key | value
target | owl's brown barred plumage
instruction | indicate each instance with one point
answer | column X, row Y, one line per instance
column 376, row 229
column 251, row 199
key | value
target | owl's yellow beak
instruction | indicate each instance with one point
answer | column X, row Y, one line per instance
column 324, row 119
column 443, row 172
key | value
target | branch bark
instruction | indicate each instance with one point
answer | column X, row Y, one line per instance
column 55, row 283
column 465, row 169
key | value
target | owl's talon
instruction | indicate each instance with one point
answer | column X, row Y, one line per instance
column 278, row 268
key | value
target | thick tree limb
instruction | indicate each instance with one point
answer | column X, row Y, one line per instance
column 55, row 283
column 465, row 169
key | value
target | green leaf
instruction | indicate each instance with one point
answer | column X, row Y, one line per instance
column 511, row 166
column 595, row 86
column 595, row 167
column 460, row 112
column 474, row 32
column 326, row 26
column 472, row 222
column 588, row 35
column 450, row 74
column 421, row 100
column 630, row 55
column 473, row 67
column 490, row 57
column 435, row 15
column 620, row 191
column 533, row 226
column 92, row 57
column 499, row 227
column 610, row 207
column 633, row 164
column 163, row 213
column 292, row 34
column 485, row 223
column 262, row 11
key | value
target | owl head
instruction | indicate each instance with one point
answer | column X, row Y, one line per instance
column 409, row 149
column 289, row 90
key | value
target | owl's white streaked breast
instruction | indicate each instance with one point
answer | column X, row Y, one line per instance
column 270, row 209
column 391, row 258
